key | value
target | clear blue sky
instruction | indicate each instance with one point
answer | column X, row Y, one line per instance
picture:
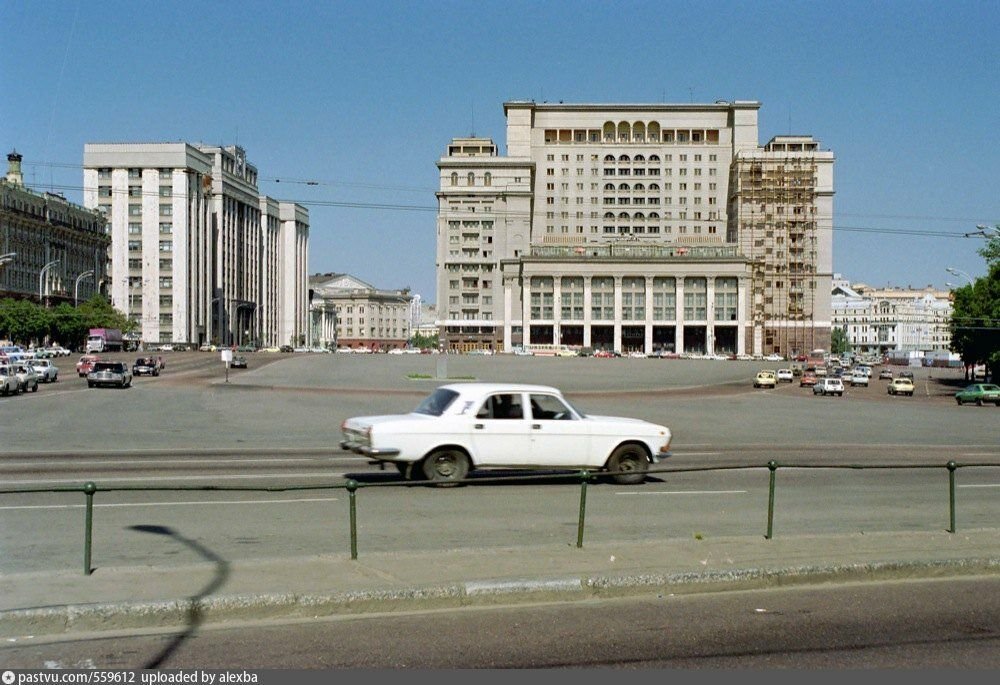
column 363, row 97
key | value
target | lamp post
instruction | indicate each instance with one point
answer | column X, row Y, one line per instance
column 8, row 257
column 41, row 275
column 76, row 287
column 958, row 272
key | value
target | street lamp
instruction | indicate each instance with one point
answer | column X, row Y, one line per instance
column 41, row 275
column 958, row 272
column 76, row 287
column 8, row 257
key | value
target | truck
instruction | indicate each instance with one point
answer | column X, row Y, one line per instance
column 104, row 340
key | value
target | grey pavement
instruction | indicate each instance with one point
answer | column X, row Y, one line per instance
column 128, row 598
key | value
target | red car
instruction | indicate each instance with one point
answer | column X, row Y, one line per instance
column 807, row 379
column 86, row 364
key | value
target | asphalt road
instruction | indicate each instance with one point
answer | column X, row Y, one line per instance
column 276, row 425
column 949, row 624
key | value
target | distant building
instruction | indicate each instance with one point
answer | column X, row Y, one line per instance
column 365, row 316
column 198, row 255
column 886, row 320
column 635, row 228
column 44, row 231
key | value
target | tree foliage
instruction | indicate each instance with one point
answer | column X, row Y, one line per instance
column 975, row 318
column 25, row 322
column 839, row 343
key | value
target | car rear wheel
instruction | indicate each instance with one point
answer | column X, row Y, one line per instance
column 446, row 467
column 631, row 461
column 979, row 402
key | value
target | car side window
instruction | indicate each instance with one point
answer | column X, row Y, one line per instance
column 501, row 406
column 549, row 408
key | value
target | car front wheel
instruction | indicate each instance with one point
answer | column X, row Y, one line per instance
column 446, row 467
column 631, row 462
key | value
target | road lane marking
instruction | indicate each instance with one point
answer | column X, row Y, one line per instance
column 981, row 485
column 172, row 504
column 687, row 492
column 186, row 462
column 146, row 479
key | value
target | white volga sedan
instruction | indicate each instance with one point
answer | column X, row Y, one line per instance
column 465, row 426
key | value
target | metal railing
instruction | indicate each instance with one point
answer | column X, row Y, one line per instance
column 584, row 477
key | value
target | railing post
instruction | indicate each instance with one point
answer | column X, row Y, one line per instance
column 352, row 487
column 584, row 476
column 772, row 467
column 951, row 493
column 89, row 488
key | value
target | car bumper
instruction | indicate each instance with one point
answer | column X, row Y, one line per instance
column 386, row 453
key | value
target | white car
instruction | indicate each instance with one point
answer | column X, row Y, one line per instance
column 859, row 378
column 464, row 426
column 46, row 370
column 774, row 357
column 785, row 375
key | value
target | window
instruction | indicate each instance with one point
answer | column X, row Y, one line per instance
column 695, row 299
column 664, row 299
column 541, row 297
column 454, row 179
column 571, row 296
column 602, row 298
column 471, row 179
column 633, row 298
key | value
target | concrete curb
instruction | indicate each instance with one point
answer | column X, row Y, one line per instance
column 188, row 613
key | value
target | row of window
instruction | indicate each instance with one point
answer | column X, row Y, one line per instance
column 626, row 159
column 636, row 132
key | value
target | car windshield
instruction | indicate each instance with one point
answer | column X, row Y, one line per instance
column 106, row 366
column 437, row 402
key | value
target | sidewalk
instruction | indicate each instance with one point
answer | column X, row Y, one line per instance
column 128, row 598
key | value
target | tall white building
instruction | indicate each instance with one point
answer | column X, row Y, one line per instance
column 636, row 227
column 197, row 253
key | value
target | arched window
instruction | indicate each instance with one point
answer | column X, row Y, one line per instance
column 471, row 179
column 487, row 179
column 609, row 215
column 654, row 187
column 654, row 159
column 454, row 178
column 623, row 187
column 623, row 215
column 609, row 158
column 624, row 158
column 639, row 158
column 609, row 186
column 638, row 187
column 653, row 215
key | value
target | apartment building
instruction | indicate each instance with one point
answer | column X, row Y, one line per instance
column 197, row 253
column 635, row 228
column 885, row 320
column 365, row 316
column 51, row 250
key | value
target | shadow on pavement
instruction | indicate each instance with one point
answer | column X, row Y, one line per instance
column 194, row 615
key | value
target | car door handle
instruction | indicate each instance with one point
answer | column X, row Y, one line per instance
column 536, row 425
column 478, row 426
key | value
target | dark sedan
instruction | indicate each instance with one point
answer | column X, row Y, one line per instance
column 239, row 362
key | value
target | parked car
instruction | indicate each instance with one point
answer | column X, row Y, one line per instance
column 466, row 426
column 86, row 364
column 829, row 386
column 239, row 362
column 785, row 375
column 906, row 373
column 774, row 357
column 10, row 384
column 106, row 373
column 46, row 370
column 859, row 378
column 808, row 379
column 901, row 386
column 765, row 379
column 979, row 393
column 885, row 374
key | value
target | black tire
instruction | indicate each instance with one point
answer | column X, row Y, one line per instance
column 89, row 384
column 959, row 400
column 632, row 461
column 34, row 388
column 979, row 402
column 446, row 467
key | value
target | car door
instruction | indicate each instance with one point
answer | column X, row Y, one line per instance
column 501, row 433
column 559, row 437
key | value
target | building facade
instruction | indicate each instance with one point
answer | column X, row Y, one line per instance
column 198, row 255
column 886, row 320
column 635, row 228
column 51, row 250
column 365, row 317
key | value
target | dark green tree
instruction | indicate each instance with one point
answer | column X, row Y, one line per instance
column 838, row 341
column 975, row 318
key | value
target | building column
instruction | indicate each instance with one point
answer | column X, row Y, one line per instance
column 679, row 327
column 617, row 345
column 586, row 311
column 648, row 342
column 508, row 325
column 556, row 309
column 741, row 316
column 526, row 310
column 710, row 314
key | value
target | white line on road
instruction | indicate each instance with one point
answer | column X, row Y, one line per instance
column 186, row 462
column 687, row 492
column 172, row 504
column 981, row 485
column 147, row 479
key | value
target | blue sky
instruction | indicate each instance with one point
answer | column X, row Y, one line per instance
column 363, row 97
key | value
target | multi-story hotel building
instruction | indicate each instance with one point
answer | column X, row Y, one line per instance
column 364, row 316
column 197, row 253
column 51, row 249
column 635, row 228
